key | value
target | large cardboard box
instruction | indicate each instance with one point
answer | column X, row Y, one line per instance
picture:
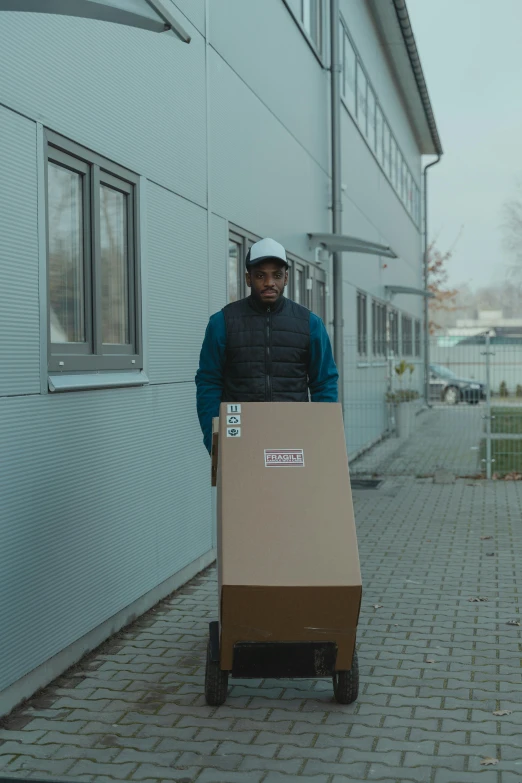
column 288, row 564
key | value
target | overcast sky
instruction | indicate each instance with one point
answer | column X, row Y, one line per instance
column 471, row 55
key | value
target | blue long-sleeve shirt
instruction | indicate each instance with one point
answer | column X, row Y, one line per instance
column 322, row 372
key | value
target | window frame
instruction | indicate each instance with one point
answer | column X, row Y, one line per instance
column 240, row 240
column 319, row 22
column 359, row 69
column 246, row 239
column 393, row 327
column 300, row 266
column 295, row 11
column 418, row 339
column 379, row 311
column 389, row 157
column 93, row 355
column 379, row 136
column 362, row 325
column 371, row 100
column 407, row 339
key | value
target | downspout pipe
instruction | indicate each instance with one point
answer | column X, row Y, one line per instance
column 337, row 204
column 426, row 283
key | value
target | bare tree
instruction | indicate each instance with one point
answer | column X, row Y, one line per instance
column 512, row 230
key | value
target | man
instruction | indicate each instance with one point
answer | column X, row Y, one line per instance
column 264, row 348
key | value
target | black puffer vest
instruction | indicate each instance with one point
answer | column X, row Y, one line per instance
column 267, row 352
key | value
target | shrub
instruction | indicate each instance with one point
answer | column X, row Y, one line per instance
column 402, row 395
column 503, row 390
column 519, row 390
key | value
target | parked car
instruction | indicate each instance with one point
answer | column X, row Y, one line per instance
column 446, row 386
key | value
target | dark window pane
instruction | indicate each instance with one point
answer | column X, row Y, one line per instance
column 407, row 336
column 66, row 261
column 114, row 267
column 362, row 328
column 417, row 338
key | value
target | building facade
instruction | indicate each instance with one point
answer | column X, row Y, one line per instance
column 135, row 171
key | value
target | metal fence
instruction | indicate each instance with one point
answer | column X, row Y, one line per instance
column 472, row 425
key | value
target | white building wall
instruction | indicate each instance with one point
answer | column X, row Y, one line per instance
column 106, row 493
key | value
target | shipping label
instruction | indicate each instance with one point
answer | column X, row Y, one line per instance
column 284, row 458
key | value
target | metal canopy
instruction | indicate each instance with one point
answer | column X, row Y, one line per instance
column 341, row 243
column 401, row 289
column 146, row 14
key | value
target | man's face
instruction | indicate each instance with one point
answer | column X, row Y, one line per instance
column 267, row 281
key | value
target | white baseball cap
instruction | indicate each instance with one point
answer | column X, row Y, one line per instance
column 264, row 250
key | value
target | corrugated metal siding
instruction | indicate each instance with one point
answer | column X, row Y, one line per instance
column 191, row 9
column 103, row 495
column 177, row 285
column 297, row 94
column 218, row 255
column 19, row 304
column 251, row 152
column 136, row 97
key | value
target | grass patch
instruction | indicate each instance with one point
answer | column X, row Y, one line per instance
column 506, row 421
column 507, row 455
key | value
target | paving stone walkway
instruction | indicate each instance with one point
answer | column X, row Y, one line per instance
column 445, row 437
column 434, row 668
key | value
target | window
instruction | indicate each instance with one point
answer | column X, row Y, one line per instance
column 407, row 336
column 404, row 188
column 93, row 261
column 320, row 299
column 379, row 138
column 349, row 74
column 393, row 325
column 362, row 325
column 311, row 17
column 378, row 329
column 399, row 167
column 387, row 138
column 416, row 205
column 393, row 162
column 235, row 258
column 371, row 118
column 362, row 104
column 299, row 285
column 418, row 350
column 239, row 243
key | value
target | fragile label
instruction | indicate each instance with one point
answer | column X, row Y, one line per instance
column 233, row 432
column 234, row 408
column 284, row 458
column 233, row 421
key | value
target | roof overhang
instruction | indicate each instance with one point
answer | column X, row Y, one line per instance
column 341, row 243
column 392, row 290
column 394, row 27
column 145, row 14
